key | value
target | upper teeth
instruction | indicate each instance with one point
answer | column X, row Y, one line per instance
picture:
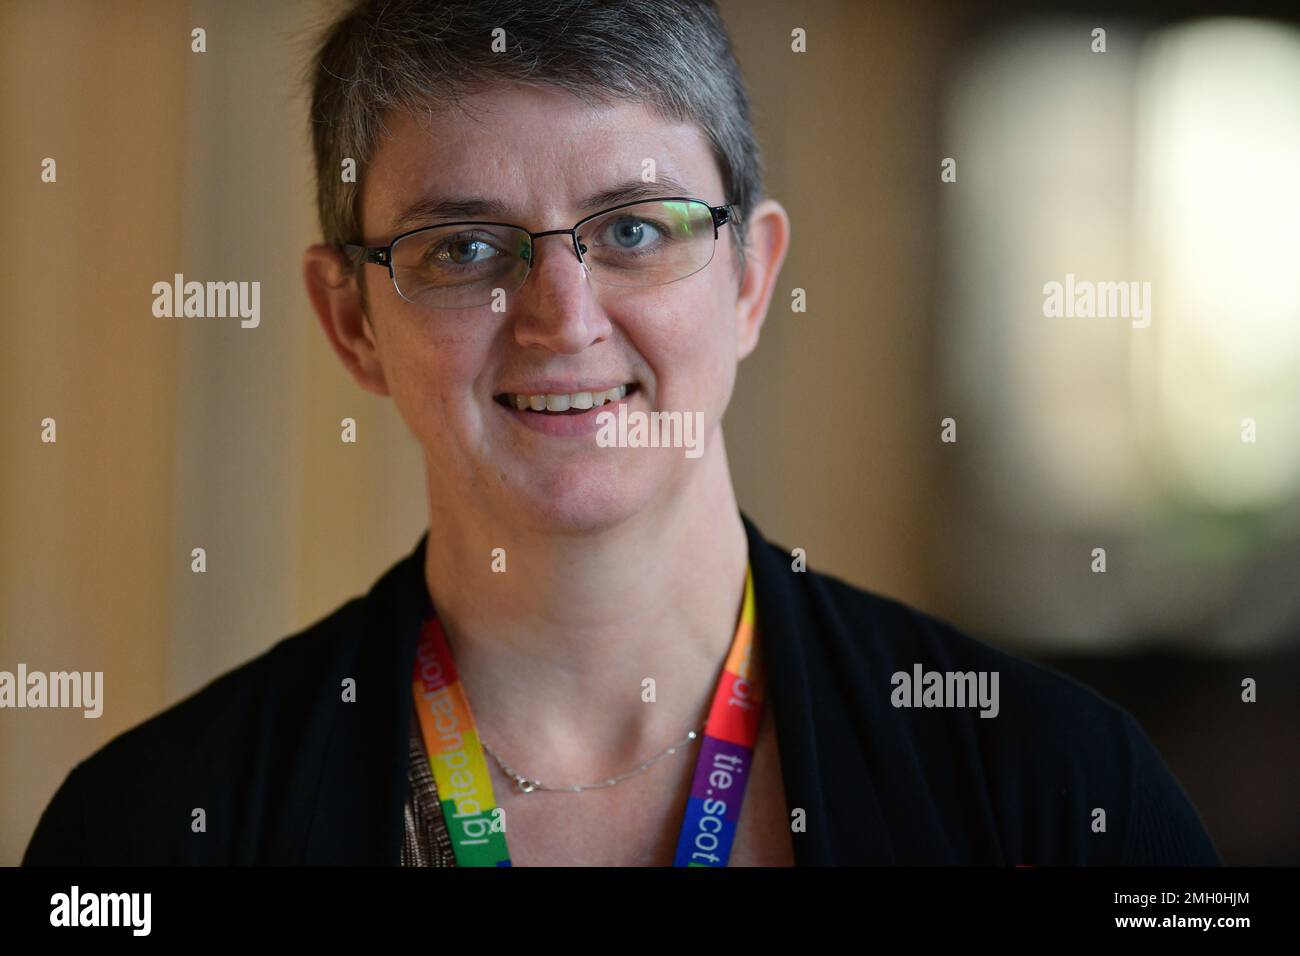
column 562, row 403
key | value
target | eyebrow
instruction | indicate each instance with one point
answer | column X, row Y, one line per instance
column 435, row 209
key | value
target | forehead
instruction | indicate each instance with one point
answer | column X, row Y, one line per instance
column 541, row 152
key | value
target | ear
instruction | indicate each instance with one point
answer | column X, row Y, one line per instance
column 766, row 243
column 332, row 288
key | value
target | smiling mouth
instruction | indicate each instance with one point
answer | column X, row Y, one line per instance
column 575, row 403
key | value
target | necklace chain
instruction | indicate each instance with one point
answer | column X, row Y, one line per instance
column 528, row 785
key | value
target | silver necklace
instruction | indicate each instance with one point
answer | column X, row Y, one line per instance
column 528, row 785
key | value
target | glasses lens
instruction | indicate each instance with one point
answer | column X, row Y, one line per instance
column 650, row 243
column 460, row 267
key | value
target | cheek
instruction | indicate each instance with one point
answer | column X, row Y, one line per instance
column 690, row 347
column 431, row 379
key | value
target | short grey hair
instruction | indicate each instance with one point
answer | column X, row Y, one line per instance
column 423, row 56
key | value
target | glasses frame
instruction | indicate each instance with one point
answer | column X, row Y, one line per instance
column 362, row 254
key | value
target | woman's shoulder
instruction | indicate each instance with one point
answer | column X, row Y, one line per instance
column 868, row 633
column 1059, row 772
column 142, row 796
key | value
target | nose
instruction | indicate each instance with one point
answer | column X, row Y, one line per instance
column 556, row 307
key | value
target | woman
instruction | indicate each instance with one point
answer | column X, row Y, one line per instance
column 555, row 253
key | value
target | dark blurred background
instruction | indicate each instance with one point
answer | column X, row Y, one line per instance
column 1170, row 158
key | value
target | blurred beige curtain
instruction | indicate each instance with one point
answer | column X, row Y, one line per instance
column 87, row 521
column 172, row 433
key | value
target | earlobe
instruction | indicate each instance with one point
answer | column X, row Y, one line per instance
column 767, row 242
column 332, row 289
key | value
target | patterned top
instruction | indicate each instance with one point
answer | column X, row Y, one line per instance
column 427, row 842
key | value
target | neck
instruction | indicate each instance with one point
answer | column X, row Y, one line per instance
column 553, row 652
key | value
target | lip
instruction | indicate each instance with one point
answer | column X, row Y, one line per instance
column 559, row 387
column 565, row 426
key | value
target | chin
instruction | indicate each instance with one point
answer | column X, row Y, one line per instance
column 587, row 500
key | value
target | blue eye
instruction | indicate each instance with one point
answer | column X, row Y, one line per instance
column 463, row 251
column 629, row 231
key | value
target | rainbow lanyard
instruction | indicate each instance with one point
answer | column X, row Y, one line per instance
column 470, row 811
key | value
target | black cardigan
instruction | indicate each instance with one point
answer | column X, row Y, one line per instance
column 289, row 773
